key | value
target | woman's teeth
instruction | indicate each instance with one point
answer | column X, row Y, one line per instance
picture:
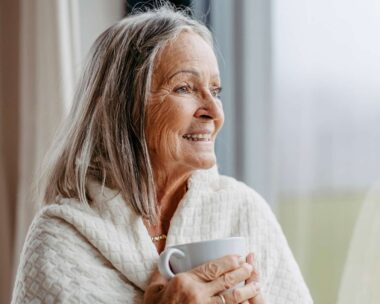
column 198, row 137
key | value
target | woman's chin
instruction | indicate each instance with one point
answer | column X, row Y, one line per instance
column 205, row 163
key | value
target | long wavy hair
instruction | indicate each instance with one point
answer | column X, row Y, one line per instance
column 103, row 137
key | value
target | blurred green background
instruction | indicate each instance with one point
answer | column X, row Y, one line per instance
column 319, row 230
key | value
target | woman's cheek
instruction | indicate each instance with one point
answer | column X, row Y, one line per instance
column 169, row 145
column 168, row 135
column 162, row 134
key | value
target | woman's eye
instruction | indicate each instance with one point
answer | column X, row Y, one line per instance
column 215, row 92
column 185, row 89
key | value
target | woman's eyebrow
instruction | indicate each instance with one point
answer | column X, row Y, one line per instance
column 194, row 72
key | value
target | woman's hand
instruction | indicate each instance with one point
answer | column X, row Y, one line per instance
column 203, row 284
column 258, row 298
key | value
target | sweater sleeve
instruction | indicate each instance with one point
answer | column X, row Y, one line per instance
column 58, row 265
column 281, row 277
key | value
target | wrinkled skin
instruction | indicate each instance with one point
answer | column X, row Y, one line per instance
column 203, row 284
column 184, row 101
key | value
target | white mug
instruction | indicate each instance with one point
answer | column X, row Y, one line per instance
column 184, row 257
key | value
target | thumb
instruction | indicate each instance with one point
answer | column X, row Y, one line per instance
column 154, row 287
column 157, row 278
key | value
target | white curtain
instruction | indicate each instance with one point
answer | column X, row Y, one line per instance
column 361, row 277
column 49, row 55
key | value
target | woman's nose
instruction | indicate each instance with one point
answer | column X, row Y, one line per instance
column 210, row 108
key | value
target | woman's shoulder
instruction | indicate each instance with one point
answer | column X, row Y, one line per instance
column 50, row 231
column 214, row 183
column 44, row 222
column 249, row 199
column 53, row 237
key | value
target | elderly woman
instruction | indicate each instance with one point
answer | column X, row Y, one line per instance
column 134, row 170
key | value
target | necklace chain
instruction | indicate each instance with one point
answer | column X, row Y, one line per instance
column 160, row 237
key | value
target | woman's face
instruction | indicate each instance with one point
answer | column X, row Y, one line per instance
column 184, row 112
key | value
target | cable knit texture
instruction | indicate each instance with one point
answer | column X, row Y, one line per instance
column 103, row 254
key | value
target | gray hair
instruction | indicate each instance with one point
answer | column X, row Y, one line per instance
column 103, row 137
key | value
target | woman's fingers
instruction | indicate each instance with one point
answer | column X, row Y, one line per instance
column 205, row 282
column 254, row 275
column 258, row 299
column 239, row 295
column 216, row 268
column 230, row 279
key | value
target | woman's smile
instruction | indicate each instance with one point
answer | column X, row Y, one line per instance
column 200, row 141
column 198, row 137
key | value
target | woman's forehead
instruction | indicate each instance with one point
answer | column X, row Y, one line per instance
column 188, row 52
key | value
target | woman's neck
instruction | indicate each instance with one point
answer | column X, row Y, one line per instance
column 170, row 189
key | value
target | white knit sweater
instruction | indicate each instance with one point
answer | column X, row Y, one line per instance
column 74, row 254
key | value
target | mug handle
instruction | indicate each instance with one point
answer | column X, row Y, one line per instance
column 164, row 259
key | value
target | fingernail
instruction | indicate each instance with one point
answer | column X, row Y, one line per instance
column 241, row 260
column 257, row 285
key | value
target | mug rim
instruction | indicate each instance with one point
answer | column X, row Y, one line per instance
column 207, row 241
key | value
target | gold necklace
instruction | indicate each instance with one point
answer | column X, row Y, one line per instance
column 158, row 238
